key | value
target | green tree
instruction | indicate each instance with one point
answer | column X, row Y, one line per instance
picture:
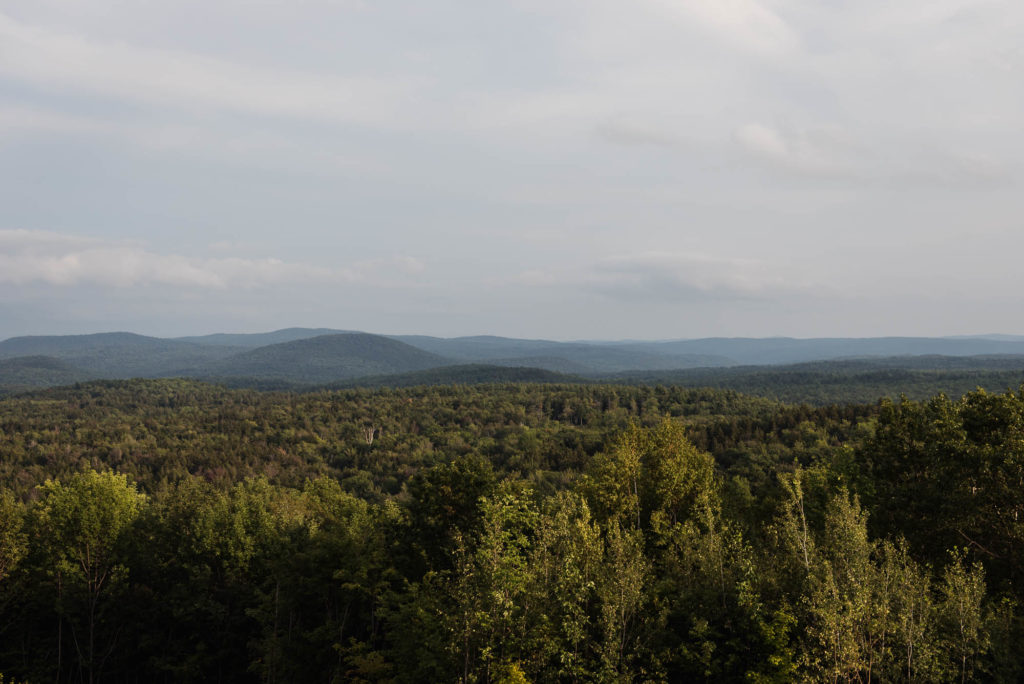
column 612, row 482
column 82, row 527
column 678, row 479
column 501, row 560
column 565, row 564
column 13, row 541
column 848, row 604
column 915, row 650
column 963, row 591
column 620, row 593
column 443, row 509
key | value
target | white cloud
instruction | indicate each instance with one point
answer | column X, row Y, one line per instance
column 16, row 120
column 629, row 133
column 664, row 274
column 21, row 240
column 42, row 257
column 763, row 140
column 60, row 62
column 830, row 152
column 820, row 151
column 404, row 264
column 496, row 138
column 746, row 25
column 659, row 276
column 233, row 144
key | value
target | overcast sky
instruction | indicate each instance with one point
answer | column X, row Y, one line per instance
column 532, row 168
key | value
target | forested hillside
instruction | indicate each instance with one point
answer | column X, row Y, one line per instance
column 24, row 373
column 117, row 355
column 326, row 358
column 818, row 371
column 850, row 381
column 173, row 531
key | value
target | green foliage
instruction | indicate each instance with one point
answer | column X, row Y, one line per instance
column 949, row 474
column 468, row 374
column 565, row 565
column 115, row 355
column 850, row 381
column 12, row 536
column 620, row 592
column 963, row 591
column 81, row 529
column 25, row 373
column 506, row 533
column 82, row 525
column 510, row 673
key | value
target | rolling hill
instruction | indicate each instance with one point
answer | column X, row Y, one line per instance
column 118, row 354
column 848, row 380
column 570, row 357
column 469, row 374
column 785, row 350
column 327, row 358
column 253, row 340
column 23, row 373
column 304, row 357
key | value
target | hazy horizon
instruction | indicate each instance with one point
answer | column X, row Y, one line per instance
column 560, row 169
column 624, row 340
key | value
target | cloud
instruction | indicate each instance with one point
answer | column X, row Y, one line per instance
column 232, row 144
column 831, row 152
column 623, row 133
column 30, row 257
column 745, row 25
column 822, row 151
column 58, row 61
column 41, row 240
column 404, row 264
column 504, row 137
column 17, row 120
column 660, row 276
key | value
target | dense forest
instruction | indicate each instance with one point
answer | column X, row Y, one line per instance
column 176, row 531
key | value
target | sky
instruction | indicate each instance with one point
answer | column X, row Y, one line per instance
column 566, row 169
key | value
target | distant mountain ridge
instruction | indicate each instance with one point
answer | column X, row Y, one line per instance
column 299, row 357
column 33, row 372
column 848, row 380
column 784, row 350
column 118, row 354
column 252, row 340
column 571, row 357
column 326, row 358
